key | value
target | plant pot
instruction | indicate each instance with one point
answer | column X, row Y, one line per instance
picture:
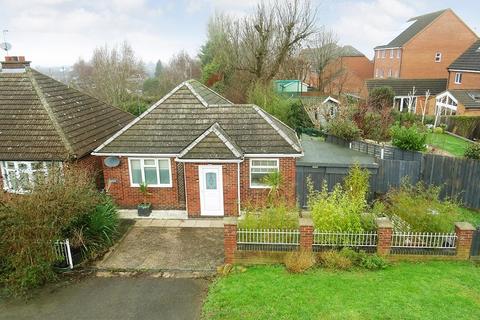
column 144, row 210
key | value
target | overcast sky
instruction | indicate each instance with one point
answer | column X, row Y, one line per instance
column 58, row 32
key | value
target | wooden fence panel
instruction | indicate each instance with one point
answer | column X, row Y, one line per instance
column 392, row 172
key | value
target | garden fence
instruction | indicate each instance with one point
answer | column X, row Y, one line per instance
column 325, row 240
column 63, row 253
column 268, row 239
column 423, row 243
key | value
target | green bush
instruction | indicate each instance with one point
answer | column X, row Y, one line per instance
column 438, row 130
column 473, row 151
column 420, row 206
column 408, row 138
column 344, row 208
column 406, row 119
column 363, row 260
column 335, row 260
column 344, row 128
column 381, row 97
column 280, row 216
column 30, row 223
column 465, row 126
column 299, row 261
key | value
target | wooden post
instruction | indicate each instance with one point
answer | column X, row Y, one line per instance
column 384, row 231
column 464, row 232
column 229, row 238
column 306, row 234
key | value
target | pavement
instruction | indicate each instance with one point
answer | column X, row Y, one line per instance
column 114, row 298
column 155, row 248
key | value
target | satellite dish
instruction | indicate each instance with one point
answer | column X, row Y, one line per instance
column 5, row 46
column 112, row 162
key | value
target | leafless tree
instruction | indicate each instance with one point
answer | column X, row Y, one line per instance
column 411, row 99
column 322, row 52
column 424, row 105
column 112, row 74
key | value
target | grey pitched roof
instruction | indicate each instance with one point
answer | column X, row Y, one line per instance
column 402, row 87
column 43, row 119
column 469, row 60
column 421, row 22
column 178, row 119
column 206, row 94
column 469, row 98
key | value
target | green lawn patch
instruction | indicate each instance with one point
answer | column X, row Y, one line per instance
column 470, row 215
column 446, row 142
column 430, row 290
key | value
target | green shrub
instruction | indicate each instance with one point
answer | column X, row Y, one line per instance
column 280, row 216
column 364, row 260
column 299, row 261
column 438, row 130
column 412, row 138
column 465, row 126
column 406, row 119
column 473, row 151
column 344, row 208
column 381, row 97
column 344, row 128
column 335, row 260
column 420, row 206
column 30, row 223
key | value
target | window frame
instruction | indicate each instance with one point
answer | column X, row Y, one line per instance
column 458, row 78
column 390, row 73
column 398, row 53
column 7, row 173
column 438, row 57
column 250, row 171
column 142, row 169
column 392, row 53
column 383, row 54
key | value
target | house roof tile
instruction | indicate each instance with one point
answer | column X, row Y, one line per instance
column 402, row 87
column 469, row 60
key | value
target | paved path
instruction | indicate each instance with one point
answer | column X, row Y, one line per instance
column 116, row 298
column 167, row 249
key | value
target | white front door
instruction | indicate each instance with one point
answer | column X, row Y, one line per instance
column 211, row 190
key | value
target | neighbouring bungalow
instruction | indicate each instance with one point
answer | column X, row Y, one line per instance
column 44, row 123
column 410, row 94
column 198, row 152
column 463, row 94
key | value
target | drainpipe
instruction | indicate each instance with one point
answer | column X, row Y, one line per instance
column 238, row 187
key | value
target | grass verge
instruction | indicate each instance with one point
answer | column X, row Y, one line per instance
column 446, row 142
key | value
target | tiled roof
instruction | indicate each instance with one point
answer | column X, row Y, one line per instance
column 469, row 98
column 469, row 60
column 43, row 119
column 421, row 22
column 402, row 87
column 180, row 118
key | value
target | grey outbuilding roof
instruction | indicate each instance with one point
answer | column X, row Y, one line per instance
column 469, row 98
column 421, row 22
column 43, row 119
column 469, row 60
column 185, row 124
column 402, row 87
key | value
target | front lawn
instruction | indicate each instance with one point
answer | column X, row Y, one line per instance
column 430, row 290
column 448, row 143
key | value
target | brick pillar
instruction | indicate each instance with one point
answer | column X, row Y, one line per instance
column 464, row 232
column 306, row 234
column 229, row 238
column 384, row 231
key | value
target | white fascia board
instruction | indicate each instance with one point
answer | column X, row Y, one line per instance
column 148, row 155
column 209, row 160
column 273, row 155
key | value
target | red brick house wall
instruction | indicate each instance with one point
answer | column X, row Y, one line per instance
column 117, row 182
column 385, row 64
column 470, row 80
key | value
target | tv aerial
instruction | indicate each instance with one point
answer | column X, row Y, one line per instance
column 5, row 45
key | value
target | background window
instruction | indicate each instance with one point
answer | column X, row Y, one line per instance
column 20, row 176
column 383, row 53
column 458, row 78
column 259, row 168
column 398, row 53
column 438, row 56
column 391, row 53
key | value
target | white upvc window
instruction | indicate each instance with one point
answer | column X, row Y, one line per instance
column 392, row 53
column 438, row 56
column 259, row 169
column 377, row 73
column 383, row 54
column 381, row 73
column 398, row 53
column 154, row 172
column 378, row 53
column 389, row 73
column 458, row 78
column 20, row 176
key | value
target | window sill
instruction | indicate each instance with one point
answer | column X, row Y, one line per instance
column 152, row 186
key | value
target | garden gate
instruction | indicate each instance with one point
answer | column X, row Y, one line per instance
column 476, row 243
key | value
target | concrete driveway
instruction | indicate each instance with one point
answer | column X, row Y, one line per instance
column 167, row 249
column 113, row 298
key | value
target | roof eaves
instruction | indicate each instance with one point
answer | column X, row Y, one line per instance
column 128, row 126
column 274, row 126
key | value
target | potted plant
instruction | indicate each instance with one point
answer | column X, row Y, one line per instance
column 144, row 208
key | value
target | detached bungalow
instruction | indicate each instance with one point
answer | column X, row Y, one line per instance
column 201, row 153
column 44, row 123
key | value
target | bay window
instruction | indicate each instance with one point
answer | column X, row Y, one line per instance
column 259, row 169
column 153, row 172
column 21, row 176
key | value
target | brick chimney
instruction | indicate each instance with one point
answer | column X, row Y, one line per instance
column 14, row 64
